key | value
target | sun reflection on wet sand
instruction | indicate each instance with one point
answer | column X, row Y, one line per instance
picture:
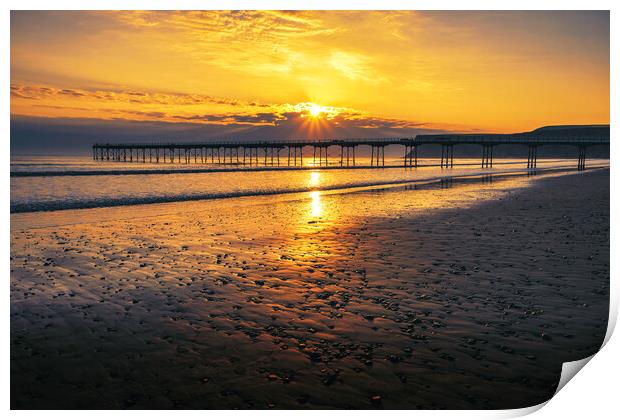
column 316, row 208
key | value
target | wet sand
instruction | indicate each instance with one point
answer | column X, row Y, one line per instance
column 466, row 296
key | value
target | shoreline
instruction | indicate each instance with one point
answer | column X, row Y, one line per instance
column 466, row 296
column 136, row 201
column 238, row 168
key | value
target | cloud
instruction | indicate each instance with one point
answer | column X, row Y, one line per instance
column 259, row 118
column 37, row 92
column 354, row 66
column 504, row 70
column 158, row 107
column 229, row 25
column 253, row 41
column 76, row 135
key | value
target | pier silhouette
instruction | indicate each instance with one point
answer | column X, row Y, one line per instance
column 271, row 152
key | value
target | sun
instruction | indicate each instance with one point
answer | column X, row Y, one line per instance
column 315, row 110
column 315, row 113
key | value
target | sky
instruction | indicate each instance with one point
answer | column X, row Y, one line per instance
column 80, row 76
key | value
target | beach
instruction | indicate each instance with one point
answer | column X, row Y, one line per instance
column 459, row 294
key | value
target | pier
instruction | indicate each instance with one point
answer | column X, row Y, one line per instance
column 291, row 152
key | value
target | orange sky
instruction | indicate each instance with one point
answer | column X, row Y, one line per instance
column 463, row 71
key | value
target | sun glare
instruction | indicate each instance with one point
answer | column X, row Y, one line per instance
column 315, row 110
column 315, row 113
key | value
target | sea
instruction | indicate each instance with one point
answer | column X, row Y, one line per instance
column 52, row 183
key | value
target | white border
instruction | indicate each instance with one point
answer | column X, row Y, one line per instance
column 313, row 5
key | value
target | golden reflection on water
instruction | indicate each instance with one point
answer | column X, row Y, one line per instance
column 315, row 179
column 324, row 215
column 316, row 208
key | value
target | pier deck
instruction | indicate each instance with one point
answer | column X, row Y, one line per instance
column 271, row 152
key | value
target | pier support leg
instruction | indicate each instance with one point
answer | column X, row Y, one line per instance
column 447, row 156
column 452, row 156
column 372, row 155
column 487, row 156
column 406, row 157
column 411, row 155
column 581, row 161
column 443, row 152
column 377, row 157
column 532, row 157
